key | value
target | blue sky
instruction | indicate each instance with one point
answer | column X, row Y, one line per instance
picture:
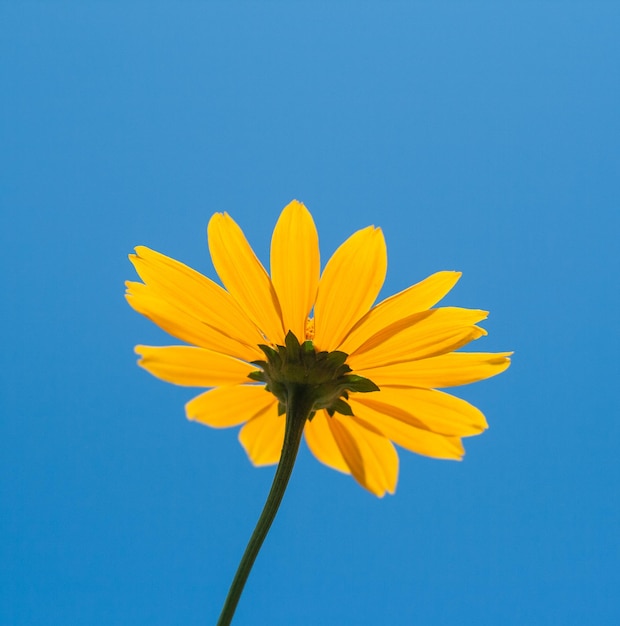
column 482, row 137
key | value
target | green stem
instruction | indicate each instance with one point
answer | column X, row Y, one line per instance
column 299, row 405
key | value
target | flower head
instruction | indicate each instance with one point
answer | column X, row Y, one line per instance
column 374, row 371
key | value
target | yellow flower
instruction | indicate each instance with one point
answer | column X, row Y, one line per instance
column 403, row 345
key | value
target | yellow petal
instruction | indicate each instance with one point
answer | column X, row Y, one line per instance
column 371, row 457
column 418, row 297
column 408, row 436
column 263, row 436
column 193, row 367
column 230, row 406
column 419, row 336
column 349, row 285
column 194, row 294
column 425, row 408
column 244, row 276
column 295, row 266
column 446, row 370
column 322, row 444
column 184, row 326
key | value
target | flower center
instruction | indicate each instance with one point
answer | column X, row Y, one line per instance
column 323, row 377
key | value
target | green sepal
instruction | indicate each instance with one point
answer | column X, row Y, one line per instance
column 337, row 358
column 258, row 376
column 360, row 384
column 341, row 406
column 268, row 350
column 292, row 347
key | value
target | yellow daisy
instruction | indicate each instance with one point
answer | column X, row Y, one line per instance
column 385, row 363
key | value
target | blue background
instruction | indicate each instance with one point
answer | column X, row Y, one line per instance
column 482, row 137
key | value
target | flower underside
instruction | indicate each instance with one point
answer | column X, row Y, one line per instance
column 323, row 377
column 371, row 375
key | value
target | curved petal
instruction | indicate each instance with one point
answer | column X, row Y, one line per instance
column 419, row 336
column 262, row 437
column 349, row 285
column 446, row 370
column 369, row 454
column 295, row 266
column 193, row 367
column 322, row 444
column 408, row 436
column 427, row 409
column 194, row 294
column 418, row 297
column 244, row 276
column 184, row 326
column 223, row 407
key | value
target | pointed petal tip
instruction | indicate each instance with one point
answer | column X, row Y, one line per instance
column 142, row 252
column 217, row 218
column 189, row 414
column 139, row 350
column 381, row 492
column 130, row 298
column 295, row 205
column 368, row 231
